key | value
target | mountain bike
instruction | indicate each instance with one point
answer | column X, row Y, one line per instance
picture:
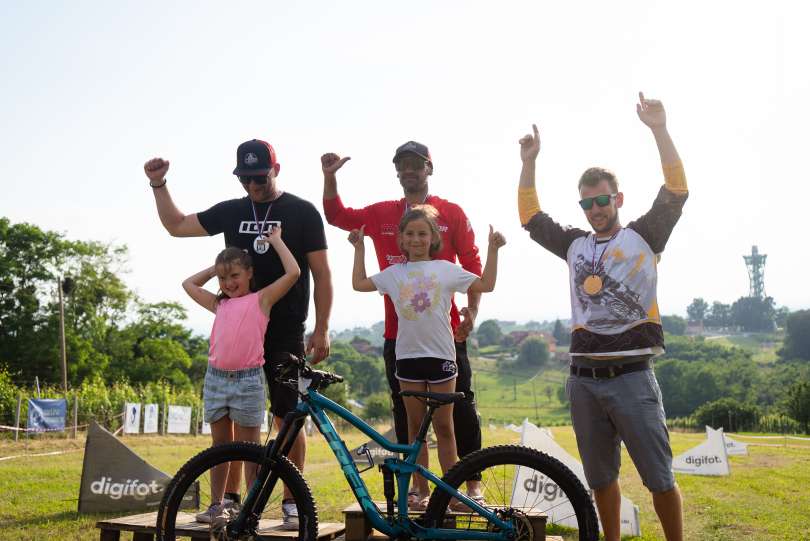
column 499, row 517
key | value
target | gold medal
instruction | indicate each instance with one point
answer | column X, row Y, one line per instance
column 592, row 284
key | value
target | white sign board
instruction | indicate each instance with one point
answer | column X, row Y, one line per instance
column 708, row 458
column 150, row 419
column 179, row 420
column 264, row 423
column 538, row 490
column 132, row 418
column 733, row 447
column 206, row 428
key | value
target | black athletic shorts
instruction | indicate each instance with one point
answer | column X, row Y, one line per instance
column 426, row 370
column 281, row 363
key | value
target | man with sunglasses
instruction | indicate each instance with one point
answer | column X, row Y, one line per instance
column 245, row 223
column 413, row 165
column 616, row 326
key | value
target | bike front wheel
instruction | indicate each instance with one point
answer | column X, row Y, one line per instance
column 190, row 493
column 520, row 485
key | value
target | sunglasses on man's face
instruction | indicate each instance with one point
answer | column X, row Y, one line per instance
column 412, row 163
column 601, row 200
column 256, row 179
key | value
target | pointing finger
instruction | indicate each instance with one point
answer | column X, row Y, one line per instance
column 536, row 132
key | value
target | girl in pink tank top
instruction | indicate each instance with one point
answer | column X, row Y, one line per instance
column 234, row 390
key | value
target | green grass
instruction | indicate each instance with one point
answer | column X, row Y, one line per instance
column 763, row 498
column 762, row 347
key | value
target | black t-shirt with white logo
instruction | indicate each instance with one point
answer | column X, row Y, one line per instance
column 302, row 232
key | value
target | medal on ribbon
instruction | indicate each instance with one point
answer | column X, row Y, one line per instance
column 593, row 283
column 261, row 243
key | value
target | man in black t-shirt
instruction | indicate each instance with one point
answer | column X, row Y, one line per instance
column 244, row 223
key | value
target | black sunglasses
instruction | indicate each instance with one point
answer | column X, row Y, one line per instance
column 601, row 200
column 256, row 179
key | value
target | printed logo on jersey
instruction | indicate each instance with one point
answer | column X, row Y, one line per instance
column 394, row 259
column 250, row 158
column 388, row 229
column 252, row 228
column 442, row 228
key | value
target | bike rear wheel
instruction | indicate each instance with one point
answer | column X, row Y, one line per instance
column 189, row 492
column 520, row 484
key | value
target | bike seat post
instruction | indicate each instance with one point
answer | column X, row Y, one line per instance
column 423, row 429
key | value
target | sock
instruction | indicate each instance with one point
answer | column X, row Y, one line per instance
column 234, row 497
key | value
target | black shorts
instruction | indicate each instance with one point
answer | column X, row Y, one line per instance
column 426, row 370
column 277, row 363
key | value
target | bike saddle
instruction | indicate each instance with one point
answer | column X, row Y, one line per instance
column 441, row 398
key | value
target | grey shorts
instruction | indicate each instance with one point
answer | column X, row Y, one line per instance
column 626, row 408
column 239, row 394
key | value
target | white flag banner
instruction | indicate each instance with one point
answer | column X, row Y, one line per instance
column 531, row 489
column 733, row 447
column 265, row 425
column 513, row 427
column 206, row 428
column 179, row 420
column 150, row 419
column 708, row 458
column 132, row 418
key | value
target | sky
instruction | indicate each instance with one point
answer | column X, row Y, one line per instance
column 91, row 90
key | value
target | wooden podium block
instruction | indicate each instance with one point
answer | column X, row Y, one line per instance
column 358, row 528
column 143, row 528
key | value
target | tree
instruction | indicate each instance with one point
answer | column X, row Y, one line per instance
column 797, row 336
column 719, row 316
column 674, row 325
column 533, row 352
column 798, row 404
column 728, row 413
column 753, row 314
column 697, row 310
column 561, row 333
column 489, row 333
column 781, row 316
column 378, row 406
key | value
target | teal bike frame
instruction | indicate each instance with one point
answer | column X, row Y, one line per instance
column 316, row 405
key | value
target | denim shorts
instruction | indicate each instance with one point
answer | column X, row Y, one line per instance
column 626, row 408
column 239, row 394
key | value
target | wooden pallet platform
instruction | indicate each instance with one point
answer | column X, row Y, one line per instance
column 143, row 528
column 358, row 528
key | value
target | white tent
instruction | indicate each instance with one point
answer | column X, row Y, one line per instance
column 733, row 447
column 559, row 510
column 707, row 458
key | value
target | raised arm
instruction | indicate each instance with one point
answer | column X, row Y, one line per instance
column 528, row 203
column 269, row 295
column 360, row 282
column 334, row 210
column 652, row 113
column 175, row 222
column 194, row 287
column 486, row 283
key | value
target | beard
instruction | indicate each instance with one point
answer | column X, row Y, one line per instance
column 611, row 222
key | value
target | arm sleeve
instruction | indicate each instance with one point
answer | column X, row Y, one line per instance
column 675, row 179
column 528, row 204
column 551, row 235
column 383, row 281
column 344, row 217
column 464, row 243
column 657, row 224
column 213, row 219
column 459, row 280
column 314, row 235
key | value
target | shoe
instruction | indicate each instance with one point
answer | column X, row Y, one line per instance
column 416, row 502
column 208, row 515
column 289, row 515
column 460, row 507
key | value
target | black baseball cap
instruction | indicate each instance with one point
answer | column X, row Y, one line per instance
column 254, row 157
column 412, row 147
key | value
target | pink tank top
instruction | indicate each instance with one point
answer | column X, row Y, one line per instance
column 237, row 338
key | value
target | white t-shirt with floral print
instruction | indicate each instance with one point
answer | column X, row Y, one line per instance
column 421, row 292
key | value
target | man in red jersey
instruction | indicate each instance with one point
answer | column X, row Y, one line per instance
column 381, row 220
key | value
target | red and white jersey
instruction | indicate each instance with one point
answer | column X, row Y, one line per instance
column 382, row 225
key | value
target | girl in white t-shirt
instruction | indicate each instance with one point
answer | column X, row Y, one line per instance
column 421, row 290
